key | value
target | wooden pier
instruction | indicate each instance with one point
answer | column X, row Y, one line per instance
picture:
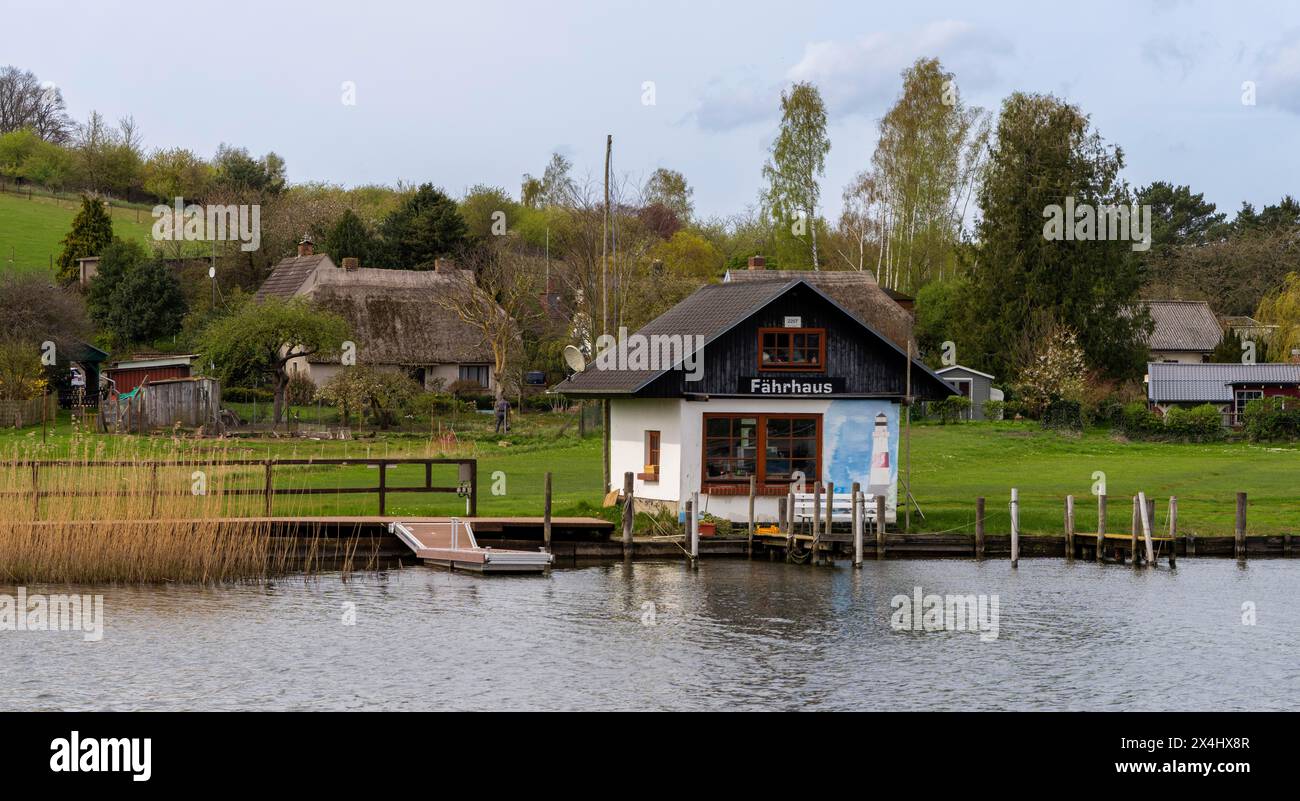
column 450, row 543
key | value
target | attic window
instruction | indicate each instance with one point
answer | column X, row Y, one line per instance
column 792, row 349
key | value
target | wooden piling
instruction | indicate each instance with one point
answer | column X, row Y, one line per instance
column 979, row 528
column 695, row 529
column 749, row 541
column 1239, row 544
column 857, row 524
column 1015, row 527
column 1101, row 526
column 880, row 526
column 629, row 512
column 816, row 510
column 1133, row 534
column 546, row 514
column 1173, row 531
column 830, row 519
column 1069, row 527
column 1146, row 528
column 789, row 525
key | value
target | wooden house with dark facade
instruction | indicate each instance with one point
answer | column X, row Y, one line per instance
column 777, row 381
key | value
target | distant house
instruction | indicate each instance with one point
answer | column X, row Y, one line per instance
column 1247, row 327
column 1228, row 386
column 972, row 384
column 87, row 268
column 1186, row 331
column 855, row 291
column 394, row 315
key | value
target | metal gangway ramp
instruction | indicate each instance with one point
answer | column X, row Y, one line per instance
column 450, row 543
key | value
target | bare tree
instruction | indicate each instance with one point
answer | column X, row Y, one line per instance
column 495, row 292
column 27, row 103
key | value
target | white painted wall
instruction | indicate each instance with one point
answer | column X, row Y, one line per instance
column 628, row 421
column 1180, row 356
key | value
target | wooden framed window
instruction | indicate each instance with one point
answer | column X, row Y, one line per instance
column 792, row 349
column 651, row 470
column 770, row 446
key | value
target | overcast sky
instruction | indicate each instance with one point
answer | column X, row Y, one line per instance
column 482, row 92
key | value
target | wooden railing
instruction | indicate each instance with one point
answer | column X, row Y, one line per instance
column 466, row 486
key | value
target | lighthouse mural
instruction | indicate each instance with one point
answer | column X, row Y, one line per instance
column 879, row 481
column 860, row 443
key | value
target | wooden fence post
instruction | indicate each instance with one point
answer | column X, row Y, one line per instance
column 629, row 512
column 1101, row 526
column 1146, row 528
column 1069, row 527
column 979, row 528
column 857, row 524
column 695, row 529
column 753, row 490
column 546, row 513
column 1015, row 527
column 1173, row 531
column 1239, row 534
column 270, row 493
column 880, row 526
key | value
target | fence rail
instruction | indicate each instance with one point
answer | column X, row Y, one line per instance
column 466, row 486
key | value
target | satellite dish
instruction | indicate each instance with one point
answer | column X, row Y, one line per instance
column 574, row 358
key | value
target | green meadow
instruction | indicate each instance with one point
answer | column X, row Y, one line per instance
column 951, row 466
column 32, row 230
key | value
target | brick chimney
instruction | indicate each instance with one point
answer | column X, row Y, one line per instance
column 306, row 247
column 757, row 263
column 351, row 263
column 1295, row 355
column 442, row 266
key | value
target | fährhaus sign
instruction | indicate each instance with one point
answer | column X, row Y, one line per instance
column 820, row 385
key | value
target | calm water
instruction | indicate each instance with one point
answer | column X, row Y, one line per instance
column 732, row 635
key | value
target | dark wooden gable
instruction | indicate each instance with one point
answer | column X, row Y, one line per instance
column 865, row 363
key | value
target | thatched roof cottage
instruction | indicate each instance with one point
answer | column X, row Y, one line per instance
column 394, row 316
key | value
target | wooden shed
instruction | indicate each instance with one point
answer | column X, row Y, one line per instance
column 191, row 402
column 972, row 384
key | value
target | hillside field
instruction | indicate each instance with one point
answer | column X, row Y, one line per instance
column 31, row 230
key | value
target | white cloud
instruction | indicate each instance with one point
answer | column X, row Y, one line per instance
column 858, row 76
column 1279, row 81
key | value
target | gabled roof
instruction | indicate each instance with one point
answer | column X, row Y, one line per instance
column 709, row 312
column 1188, row 325
column 967, row 369
column 289, row 276
column 854, row 291
column 1212, row 383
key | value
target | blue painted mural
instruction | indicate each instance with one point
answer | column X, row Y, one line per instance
column 860, row 443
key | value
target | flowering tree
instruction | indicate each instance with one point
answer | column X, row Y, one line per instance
column 1056, row 370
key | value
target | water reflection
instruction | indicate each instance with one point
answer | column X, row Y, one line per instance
column 731, row 635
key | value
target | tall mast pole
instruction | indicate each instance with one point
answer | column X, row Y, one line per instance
column 604, row 306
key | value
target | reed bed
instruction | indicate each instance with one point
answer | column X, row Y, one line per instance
column 140, row 524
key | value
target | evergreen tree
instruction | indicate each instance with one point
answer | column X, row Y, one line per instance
column 135, row 298
column 92, row 231
column 428, row 225
column 350, row 237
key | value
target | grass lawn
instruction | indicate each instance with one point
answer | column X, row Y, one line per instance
column 951, row 466
column 31, row 231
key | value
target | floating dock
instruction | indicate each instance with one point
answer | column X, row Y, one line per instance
column 451, row 543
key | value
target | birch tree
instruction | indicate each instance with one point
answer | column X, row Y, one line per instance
column 798, row 160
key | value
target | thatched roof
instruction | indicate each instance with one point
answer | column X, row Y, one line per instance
column 395, row 316
column 857, row 292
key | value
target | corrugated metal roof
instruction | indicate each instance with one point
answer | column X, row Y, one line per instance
column 1183, row 325
column 1212, row 383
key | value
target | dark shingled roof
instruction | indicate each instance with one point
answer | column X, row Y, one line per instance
column 1188, row 325
column 856, row 292
column 1211, row 383
column 288, row 276
column 710, row 311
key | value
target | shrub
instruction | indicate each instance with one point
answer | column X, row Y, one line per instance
column 994, row 410
column 1139, row 421
column 1272, row 418
column 301, row 390
column 1199, row 423
column 1063, row 414
column 952, row 408
column 247, row 395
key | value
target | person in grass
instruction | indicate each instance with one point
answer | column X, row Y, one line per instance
column 503, row 414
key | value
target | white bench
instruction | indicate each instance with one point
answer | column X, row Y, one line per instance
column 841, row 507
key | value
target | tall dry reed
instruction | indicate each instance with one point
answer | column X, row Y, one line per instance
column 100, row 517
